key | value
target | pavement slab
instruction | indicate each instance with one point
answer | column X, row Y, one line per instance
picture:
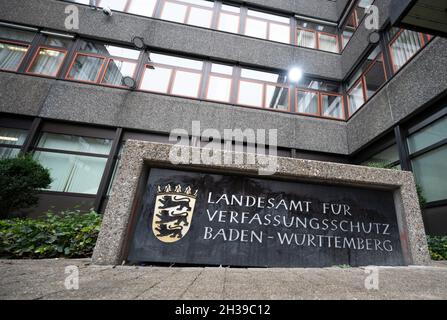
column 45, row 279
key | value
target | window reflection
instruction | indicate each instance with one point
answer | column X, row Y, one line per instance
column 86, row 68
column 332, row 106
column 356, row 98
column 307, row 102
column 117, row 70
column 277, row 98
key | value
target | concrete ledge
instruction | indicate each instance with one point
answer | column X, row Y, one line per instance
column 138, row 156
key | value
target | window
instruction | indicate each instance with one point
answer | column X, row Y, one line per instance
column 366, row 80
column 11, row 141
column 49, row 57
column 14, row 45
column 193, row 12
column 403, row 46
column 229, row 18
column 307, row 38
column 356, row 97
column 327, row 42
column 388, row 157
column 427, row 146
column 332, row 106
column 428, row 136
column 267, row 26
column 106, row 64
column 375, row 76
column 263, row 90
column 308, row 102
column 354, row 19
column 142, row 7
column 76, row 163
column 172, row 75
column 219, row 83
column 430, row 172
column 317, row 36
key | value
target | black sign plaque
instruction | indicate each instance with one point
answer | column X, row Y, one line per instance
column 214, row 219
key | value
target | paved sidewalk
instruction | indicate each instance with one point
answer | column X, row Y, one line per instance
column 44, row 279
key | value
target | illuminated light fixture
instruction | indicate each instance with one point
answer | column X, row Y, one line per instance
column 295, row 74
column 9, row 139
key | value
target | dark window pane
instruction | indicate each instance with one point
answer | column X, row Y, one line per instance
column 374, row 78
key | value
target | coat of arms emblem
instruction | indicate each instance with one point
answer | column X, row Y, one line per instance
column 173, row 212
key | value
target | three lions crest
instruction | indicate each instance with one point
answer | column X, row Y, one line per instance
column 173, row 213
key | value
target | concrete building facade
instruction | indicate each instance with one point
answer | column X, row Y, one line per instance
column 73, row 94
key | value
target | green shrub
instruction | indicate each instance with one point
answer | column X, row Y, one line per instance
column 437, row 247
column 20, row 180
column 70, row 234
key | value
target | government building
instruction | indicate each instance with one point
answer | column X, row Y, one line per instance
column 341, row 81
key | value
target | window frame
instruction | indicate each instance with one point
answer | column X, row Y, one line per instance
column 319, row 95
column 238, row 15
column 394, row 39
column 174, row 70
column 362, row 79
column 106, row 58
column 80, row 53
column 264, row 94
column 36, row 54
column 337, row 45
column 23, row 44
column 268, row 28
column 224, row 76
column 106, row 67
column 51, row 130
column 187, row 13
column 315, row 32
